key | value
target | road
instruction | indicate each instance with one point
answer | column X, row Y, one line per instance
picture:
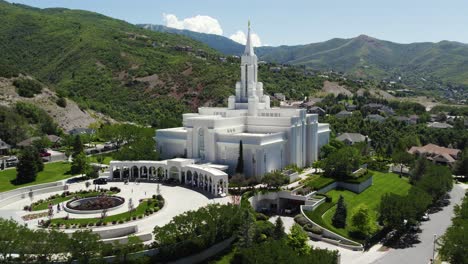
column 422, row 252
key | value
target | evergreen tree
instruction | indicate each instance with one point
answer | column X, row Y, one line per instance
column 339, row 218
column 240, row 160
column 419, row 169
column 77, row 145
column 246, row 230
column 278, row 232
column 26, row 170
column 461, row 167
column 79, row 164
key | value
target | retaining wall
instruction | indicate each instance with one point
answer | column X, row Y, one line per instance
column 25, row 195
column 354, row 187
column 116, row 232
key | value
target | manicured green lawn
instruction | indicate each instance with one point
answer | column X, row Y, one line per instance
column 316, row 182
column 382, row 183
column 107, row 159
column 52, row 172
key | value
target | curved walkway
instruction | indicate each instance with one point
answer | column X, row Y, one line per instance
column 177, row 201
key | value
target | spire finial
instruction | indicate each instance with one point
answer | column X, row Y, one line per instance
column 248, row 45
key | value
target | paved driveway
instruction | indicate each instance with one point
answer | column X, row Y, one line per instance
column 422, row 252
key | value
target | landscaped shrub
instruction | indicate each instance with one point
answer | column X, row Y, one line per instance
column 121, row 221
column 114, row 222
column 300, row 219
column 261, row 217
column 313, row 229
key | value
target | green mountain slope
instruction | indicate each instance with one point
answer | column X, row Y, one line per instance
column 217, row 42
column 121, row 70
column 372, row 58
column 362, row 56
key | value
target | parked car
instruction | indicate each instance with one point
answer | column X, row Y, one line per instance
column 11, row 161
column 100, row 181
column 44, row 154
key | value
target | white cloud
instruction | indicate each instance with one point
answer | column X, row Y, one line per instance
column 198, row 23
column 241, row 38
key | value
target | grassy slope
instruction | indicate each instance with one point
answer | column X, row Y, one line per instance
column 52, row 172
column 96, row 61
column 369, row 57
column 382, row 183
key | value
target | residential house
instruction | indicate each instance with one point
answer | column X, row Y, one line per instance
column 403, row 119
column 386, row 110
column 4, row 148
column 439, row 125
column 350, row 107
column 352, row 138
column 316, row 110
column 280, row 96
column 376, row 118
column 344, row 114
column 27, row 142
column 437, row 154
column 81, row 131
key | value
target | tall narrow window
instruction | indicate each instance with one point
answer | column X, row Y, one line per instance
column 201, row 144
column 246, row 81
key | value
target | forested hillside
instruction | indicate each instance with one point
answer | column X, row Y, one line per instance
column 422, row 65
column 121, row 70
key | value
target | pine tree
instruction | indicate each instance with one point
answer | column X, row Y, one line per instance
column 27, row 167
column 246, row 230
column 339, row 218
column 278, row 232
column 240, row 160
column 77, row 145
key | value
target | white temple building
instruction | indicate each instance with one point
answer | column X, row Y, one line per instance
column 272, row 138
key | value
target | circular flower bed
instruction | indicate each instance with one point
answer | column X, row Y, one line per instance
column 95, row 203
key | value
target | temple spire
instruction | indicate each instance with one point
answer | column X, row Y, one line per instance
column 249, row 49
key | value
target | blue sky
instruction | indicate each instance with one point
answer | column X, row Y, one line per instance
column 293, row 21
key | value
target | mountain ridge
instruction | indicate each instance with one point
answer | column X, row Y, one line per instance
column 364, row 57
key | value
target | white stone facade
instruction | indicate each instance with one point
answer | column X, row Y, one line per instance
column 272, row 138
column 209, row 178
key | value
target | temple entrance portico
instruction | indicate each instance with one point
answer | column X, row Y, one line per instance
column 185, row 171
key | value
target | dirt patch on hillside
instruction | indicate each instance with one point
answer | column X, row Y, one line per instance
column 152, row 80
column 335, row 88
column 67, row 118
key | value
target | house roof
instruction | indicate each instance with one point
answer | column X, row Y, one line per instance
column 27, row 142
column 344, row 113
column 376, row 117
column 316, row 108
column 439, row 125
column 54, row 138
column 4, row 145
column 80, row 130
column 436, row 152
column 352, row 137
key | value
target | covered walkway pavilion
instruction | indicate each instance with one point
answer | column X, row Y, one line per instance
column 207, row 177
